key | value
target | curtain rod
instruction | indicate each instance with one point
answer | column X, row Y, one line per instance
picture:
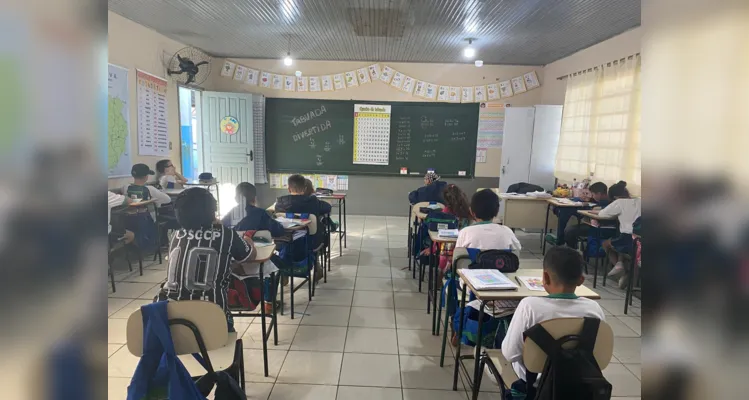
column 608, row 64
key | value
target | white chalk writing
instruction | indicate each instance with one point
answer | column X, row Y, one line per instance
column 311, row 131
column 308, row 116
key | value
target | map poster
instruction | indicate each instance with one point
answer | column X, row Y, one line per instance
column 118, row 124
column 371, row 134
column 153, row 137
column 491, row 125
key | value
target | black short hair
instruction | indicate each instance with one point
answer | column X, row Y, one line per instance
column 247, row 190
column 619, row 190
column 598, row 187
column 296, row 183
column 161, row 166
column 195, row 208
column 566, row 264
column 485, row 204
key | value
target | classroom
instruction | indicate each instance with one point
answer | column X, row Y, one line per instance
column 384, row 185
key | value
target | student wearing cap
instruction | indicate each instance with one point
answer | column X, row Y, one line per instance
column 139, row 190
column 431, row 191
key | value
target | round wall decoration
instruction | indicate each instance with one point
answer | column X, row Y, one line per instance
column 229, row 125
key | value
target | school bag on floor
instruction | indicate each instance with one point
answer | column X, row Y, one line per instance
column 570, row 373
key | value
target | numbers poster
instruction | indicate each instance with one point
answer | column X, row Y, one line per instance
column 371, row 134
column 153, row 138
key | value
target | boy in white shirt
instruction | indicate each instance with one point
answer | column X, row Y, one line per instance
column 627, row 210
column 140, row 190
column 563, row 272
column 483, row 234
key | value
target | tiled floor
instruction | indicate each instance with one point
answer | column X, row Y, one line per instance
column 365, row 335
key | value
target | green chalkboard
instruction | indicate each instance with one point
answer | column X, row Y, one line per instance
column 316, row 136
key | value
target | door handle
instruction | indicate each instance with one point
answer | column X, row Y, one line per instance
column 503, row 170
column 251, row 156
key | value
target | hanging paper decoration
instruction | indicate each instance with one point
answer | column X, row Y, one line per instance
column 518, row 86
column 408, row 85
column 288, row 83
column 374, row 72
column 531, row 80
column 454, row 94
column 363, row 75
column 492, row 91
column 265, row 79
column 431, row 91
column 239, row 73
column 387, row 74
column 351, row 79
column 479, row 93
column 327, row 83
column 314, row 83
column 251, row 78
column 228, row 68
column 442, row 93
column 301, row 83
column 277, row 82
column 505, row 88
column 466, row 94
column 421, row 88
column 397, row 81
column 338, row 82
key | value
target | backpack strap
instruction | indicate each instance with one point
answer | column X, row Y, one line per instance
column 589, row 334
column 543, row 339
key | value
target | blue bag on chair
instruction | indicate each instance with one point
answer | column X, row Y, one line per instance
column 470, row 318
column 160, row 374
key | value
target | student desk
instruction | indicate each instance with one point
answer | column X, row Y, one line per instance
column 341, row 199
column 602, row 223
column 263, row 255
column 554, row 203
column 207, row 185
column 525, row 212
column 485, row 296
column 413, row 229
column 434, row 259
column 173, row 192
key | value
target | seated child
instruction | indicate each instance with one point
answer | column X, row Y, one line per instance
column 456, row 204
column 484, row 234
column 574, row 231
column 309, row 188
column 431, row 191
column 257, row 219
column 169, row 178
column 140, row 190
column 143, row 226
column 563, row 272
column 200, row 253
column 628, row 210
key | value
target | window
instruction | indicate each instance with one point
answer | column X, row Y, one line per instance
column 600, row 134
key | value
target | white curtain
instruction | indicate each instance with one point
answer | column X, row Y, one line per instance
column 600, row 134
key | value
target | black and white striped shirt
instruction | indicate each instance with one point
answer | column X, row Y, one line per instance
column 199, row 264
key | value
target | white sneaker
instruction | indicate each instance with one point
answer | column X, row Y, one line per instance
column 618, row 269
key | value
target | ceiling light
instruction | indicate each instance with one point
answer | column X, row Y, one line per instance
column 287, row 60
column 298, row 73
column 478, row 63
column 468, row 51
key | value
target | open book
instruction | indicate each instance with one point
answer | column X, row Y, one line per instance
column 532, row 283
column 488, row 279
column 287, row 223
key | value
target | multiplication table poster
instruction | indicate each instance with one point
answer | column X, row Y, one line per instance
column 371, row 134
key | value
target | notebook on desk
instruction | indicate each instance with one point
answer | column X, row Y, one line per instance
column 488, row 279
column 447, row 233
column 287, row 223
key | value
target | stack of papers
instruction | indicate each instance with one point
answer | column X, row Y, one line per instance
column 287, row 223
column 539, row 195
column 488, row 279
column 533, row 283
column 448, row 233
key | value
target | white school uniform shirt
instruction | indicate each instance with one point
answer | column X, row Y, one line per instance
column 113, row 201
column 487, row 237
column 534, row 310
column 160, row 198
column 628, row 210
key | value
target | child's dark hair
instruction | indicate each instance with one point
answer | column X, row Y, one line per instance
column 247, row 190
column 618, row 190
column 565, row 263
column 309, row 188
column 161, row 166
column 456, row 201
column 598, row 187
column 296, row 183
column 195, row 208
column 485, row 204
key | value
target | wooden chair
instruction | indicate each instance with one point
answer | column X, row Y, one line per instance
column 197, row 327
column 534, row 358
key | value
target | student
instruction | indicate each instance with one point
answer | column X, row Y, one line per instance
column 456, row 204
column 309, row 188
column 484, row 234
column 600, row 197
column 168, row 176
column 627, row 210
column 431, row 191
column 562, row 273
column 257, row 219
column 140, row 190
column 116, row 200
column 200, row 253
